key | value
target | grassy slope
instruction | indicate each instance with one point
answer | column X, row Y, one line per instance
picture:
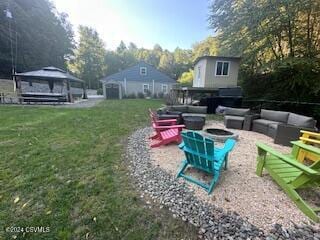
column 65, row 167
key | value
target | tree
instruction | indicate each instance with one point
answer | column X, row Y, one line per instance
column 166, row 63
column 207, row 47
column 264, row 32
column 44, row 36
column 186, row 78
column 89, row 61
column 121, row 48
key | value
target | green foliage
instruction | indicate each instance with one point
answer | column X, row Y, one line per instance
column 186, row 78
column 291, row 79
column 44, row 36
column 171, row 63
column 278, row 42
column 263, row 32
column 89, row 61
column 207, row 47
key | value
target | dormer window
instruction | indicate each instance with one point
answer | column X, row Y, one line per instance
column 143, row 71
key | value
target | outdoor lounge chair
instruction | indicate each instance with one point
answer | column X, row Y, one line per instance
column 290, row 175
column 165, row 134
column 159, row 122
column 201, row 154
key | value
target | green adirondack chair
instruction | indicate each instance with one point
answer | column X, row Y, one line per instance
column 201, row 154
column 291, row 175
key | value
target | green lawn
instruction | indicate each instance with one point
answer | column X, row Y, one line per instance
column 62, row 168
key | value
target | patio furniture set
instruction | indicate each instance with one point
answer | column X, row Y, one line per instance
column 299, row 169
column 283, row 127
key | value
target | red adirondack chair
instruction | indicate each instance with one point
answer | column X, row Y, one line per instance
column 166, row 134
column 165, row 131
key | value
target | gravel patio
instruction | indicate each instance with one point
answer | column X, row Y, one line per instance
column 242, row 205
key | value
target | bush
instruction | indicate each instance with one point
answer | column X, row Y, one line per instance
column 100, row 91
column 155, row 96
column 140, row 95
column 124, row 96
column 131, row 95
column 294, row 79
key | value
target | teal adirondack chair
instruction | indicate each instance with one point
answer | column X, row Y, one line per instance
column 201, row 154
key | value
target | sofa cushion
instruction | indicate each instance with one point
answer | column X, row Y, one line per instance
column 235, row 118
column 301, row 121
column 179, row 108
column 197, row 109
column 277, row 116
column 236, row 111
column 264, row 122
column 193, row 115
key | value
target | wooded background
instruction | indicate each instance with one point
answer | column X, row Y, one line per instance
column 278, row 40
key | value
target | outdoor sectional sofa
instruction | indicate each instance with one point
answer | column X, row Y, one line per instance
column 283, row 127
column 181, row 111
column 235, row 117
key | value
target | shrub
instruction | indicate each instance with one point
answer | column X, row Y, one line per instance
column 99, row 91
column 140, row 95
column 154, row 95
column 294, row 79
column 131, row 95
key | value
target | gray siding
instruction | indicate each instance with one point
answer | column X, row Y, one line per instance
column 208, row 70
column 131, row 81
column 213, row 81
column 203, row 66
column 135, row 87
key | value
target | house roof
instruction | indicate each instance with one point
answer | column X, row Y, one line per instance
column 47, row 73
column 133, row 74
column 217, row 57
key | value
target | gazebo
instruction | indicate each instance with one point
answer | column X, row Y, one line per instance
column 51, row 75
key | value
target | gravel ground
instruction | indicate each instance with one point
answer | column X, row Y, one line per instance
column 214, row 219
column 239, row 189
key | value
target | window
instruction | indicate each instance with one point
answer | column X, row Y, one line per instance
column 199, row 72
column 145, row 89
column 143, row 71
column 165, row 88
column 222, row 68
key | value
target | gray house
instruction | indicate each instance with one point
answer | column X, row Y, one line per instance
column 216, row 72
column 141, row 78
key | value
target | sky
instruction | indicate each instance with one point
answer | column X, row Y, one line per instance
column 170, row 23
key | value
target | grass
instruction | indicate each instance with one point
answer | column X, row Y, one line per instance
column 62, row 169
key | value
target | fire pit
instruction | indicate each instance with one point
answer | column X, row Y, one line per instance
column 219, row 135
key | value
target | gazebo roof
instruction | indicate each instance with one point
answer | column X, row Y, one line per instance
column 48, row 73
